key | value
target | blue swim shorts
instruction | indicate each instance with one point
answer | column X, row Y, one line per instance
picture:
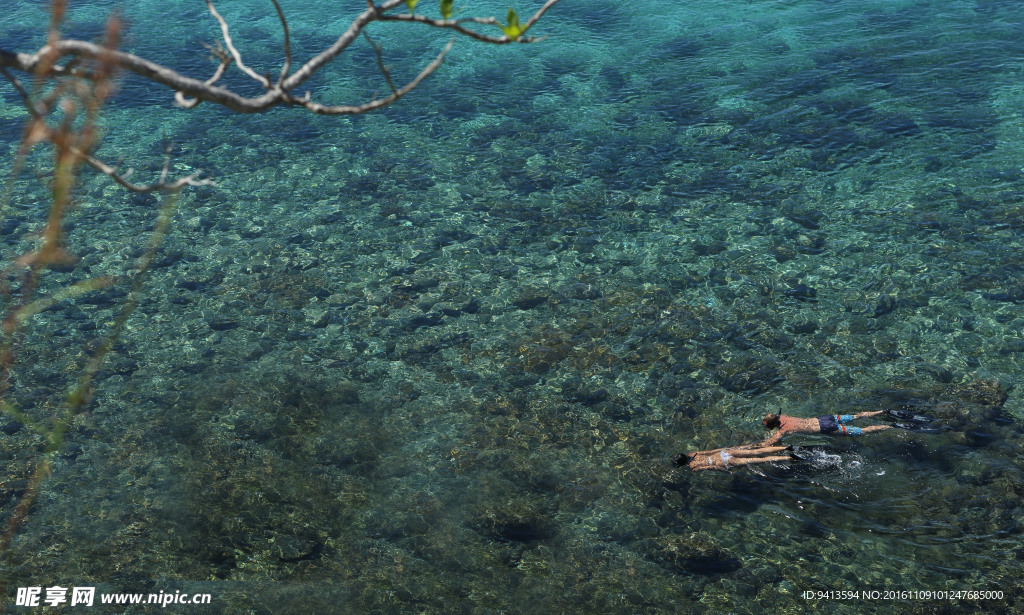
column 832, row 423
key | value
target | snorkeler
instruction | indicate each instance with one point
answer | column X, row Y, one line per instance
column 827, row 424
column 838, row 424
column 723, row 459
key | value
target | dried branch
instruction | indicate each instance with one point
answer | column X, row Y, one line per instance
column 225, row 61
column 540, row 13
column 189, row 91
column 456, row 24
column 159, row 186
column 307, row 70
column 41, row 133
column 25, row 98
column 287, row 44
column 380, row 102
column 380, row 62
column 231, row 47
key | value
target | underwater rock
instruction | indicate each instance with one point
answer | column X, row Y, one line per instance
column 693, row 554
column 518, row 520
column 417, row 284
column 805, row 327
column 753, row 381
column 1013, row 295
column 8, row 225
column 580, row 291
column 802, row 292
column 939, row 373
column 886, row 305
column 811, row 244
column 976, row 281
column 423, row 320
column 530, row 299
column 907, row 397
column 587, row 398
column 932, row 164
column 11, row 427
column 808, row 219
column 105, row 298
column 709, row 249
column 221, row 323
column 1013, row 345
column 984, row 392
column 898, row 126
column 783, row 253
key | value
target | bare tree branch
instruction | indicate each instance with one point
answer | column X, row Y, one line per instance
column 190, row 91
column 159, row 186
column 456, row 24
column 225, row 61
column 307, row 70
column 231, row 47
column 25, row 98
column 380, row 62
column 287, row 44
column 380, row 102
column 540, row 13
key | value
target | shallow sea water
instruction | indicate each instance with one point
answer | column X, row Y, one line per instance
column 437, row 359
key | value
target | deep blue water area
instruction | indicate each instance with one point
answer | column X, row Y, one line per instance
column 438, row 358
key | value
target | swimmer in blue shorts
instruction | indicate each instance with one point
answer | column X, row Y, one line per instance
column 837, row 424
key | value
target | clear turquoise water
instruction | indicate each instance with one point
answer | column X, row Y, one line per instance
column 436, row 359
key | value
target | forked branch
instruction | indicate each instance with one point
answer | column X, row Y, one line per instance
column 190, row 91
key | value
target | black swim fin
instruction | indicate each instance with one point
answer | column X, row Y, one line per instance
column 906, row 415
column 799, row 453
column 919, row 427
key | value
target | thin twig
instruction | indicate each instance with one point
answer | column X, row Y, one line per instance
column 456, row 24
column 225, row 61
column 287, row 45
column 231, row 47
column 380, row 62
column 540, row 13
column 317, row 62
column 160, row 186
column 25, row 98
column 44, row 63
column 380, row 102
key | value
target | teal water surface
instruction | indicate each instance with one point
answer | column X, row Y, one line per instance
column 438, row 358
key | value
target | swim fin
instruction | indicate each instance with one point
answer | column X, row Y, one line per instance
column 919, row 427
column 906, row 415
column 799, row 453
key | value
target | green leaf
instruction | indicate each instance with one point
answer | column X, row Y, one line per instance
column 411, row 4
column 512, row 30
column 446, row 8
